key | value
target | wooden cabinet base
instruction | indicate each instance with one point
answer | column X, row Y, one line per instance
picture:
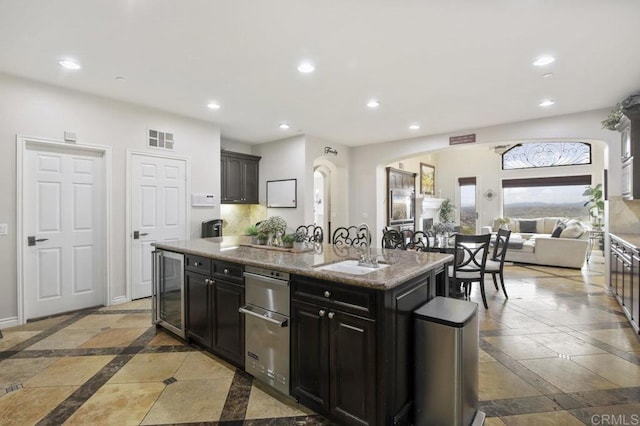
column 352, row 351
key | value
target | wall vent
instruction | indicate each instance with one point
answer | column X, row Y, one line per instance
column 158, row 139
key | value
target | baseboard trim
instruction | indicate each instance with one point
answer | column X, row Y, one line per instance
column 8, row 322
column 119, row 300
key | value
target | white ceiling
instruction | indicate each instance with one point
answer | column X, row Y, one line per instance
column 449, row 65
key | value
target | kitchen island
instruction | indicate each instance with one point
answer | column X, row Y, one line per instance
column 351, row 333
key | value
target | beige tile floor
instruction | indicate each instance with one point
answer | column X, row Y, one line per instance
column 557, row 352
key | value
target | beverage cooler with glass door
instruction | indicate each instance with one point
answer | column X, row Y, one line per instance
column 168, row 291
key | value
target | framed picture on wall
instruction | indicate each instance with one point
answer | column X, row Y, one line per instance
column 427, row 179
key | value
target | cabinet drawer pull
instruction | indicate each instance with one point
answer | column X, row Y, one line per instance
column 322, row 312
column 226, row 271
column 331, row 315
column 196, row 264
column 327, row 294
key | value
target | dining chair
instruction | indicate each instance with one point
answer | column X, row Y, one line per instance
column 407, row 235
column 350, row 236
column 495, row 264
column 469, row 262
column 419, row 241
column 313, row 232
column 392, row 239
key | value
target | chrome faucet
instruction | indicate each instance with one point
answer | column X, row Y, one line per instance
column 366, row 259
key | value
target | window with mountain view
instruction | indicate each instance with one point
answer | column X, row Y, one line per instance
column 545, row 197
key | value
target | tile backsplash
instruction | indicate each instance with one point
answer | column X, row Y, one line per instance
column 237, row 217
column 624, row 216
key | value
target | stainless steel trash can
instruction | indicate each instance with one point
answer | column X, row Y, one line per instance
column 446, row 361
column 212, row 228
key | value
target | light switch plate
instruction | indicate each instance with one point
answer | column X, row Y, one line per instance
column 4, row 229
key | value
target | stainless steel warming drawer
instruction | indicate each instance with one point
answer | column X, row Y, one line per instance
column 267, row 326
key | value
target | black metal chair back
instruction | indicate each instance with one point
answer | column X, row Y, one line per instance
column 500, row 245
column 470, row 258
column 350, row 236
column 392, row 239
column 495, row 266
column 419, row 241
column 314, row 233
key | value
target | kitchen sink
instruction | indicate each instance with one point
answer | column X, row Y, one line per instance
column 350, row 267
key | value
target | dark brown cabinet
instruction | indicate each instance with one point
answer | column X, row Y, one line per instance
column 333, row 364
column 624, row 278
column 629, row 128
column 239, row 178
column 214, row 291
column 228, row 330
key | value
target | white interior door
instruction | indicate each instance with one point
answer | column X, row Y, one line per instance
column 158, row 206
column 63, row 264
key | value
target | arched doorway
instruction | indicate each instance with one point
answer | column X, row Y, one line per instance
column 322, row 199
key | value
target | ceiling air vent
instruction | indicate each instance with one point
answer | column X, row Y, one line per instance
column 158, row 139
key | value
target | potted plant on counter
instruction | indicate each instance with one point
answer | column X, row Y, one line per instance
column 252, row 231
column 288, row 240
column 262, row 238
column 274, row 227
column 300, row 239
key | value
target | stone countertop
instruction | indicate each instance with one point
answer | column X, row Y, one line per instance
column 632, row 240
column 404, row 265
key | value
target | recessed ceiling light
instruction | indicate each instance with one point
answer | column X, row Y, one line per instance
column 213, row 105
column 284, row 126
column 543, row 60
column 547, row 102
column 306, row 67
column 373, row 103
column 414, row 127
column 69, row 64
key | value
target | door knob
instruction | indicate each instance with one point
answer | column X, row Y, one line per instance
column 331, row 315
column 322, row 312
column 137, row 234
column 31, row 240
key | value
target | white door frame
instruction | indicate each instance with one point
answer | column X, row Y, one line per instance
column 22, row 142
column 128, row 229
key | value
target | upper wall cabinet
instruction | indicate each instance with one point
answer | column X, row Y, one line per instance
column 239, row 179
column 629, row 128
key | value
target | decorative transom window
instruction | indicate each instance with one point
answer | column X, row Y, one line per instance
column 547, row 154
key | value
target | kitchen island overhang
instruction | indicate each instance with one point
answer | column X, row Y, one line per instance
column 352, row 344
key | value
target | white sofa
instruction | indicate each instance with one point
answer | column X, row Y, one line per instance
column 541, row 248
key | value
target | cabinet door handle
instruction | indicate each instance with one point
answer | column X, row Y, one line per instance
column 322, row 312
column 226, row 271
column 327, row 294
column 331, row 315
column 196, row 264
